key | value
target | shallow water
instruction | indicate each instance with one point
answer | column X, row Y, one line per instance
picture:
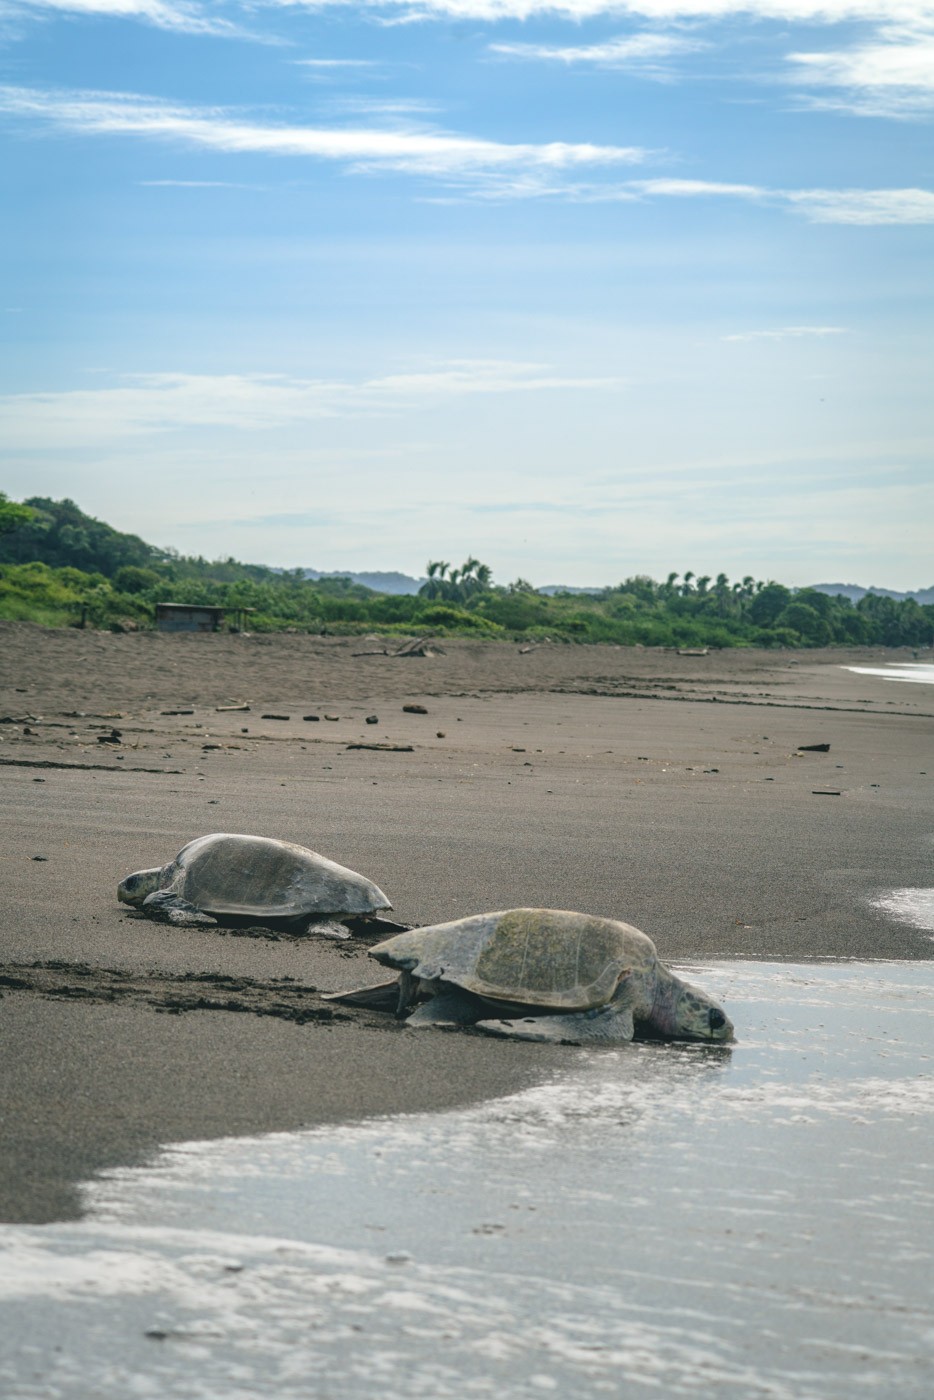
column 655, row 1221
column 921, row 672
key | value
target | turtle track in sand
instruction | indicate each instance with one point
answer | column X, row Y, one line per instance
column 173, row 993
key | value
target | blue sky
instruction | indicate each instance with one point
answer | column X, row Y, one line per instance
column 582, row 289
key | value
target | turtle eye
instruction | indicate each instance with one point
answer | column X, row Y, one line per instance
column 715, row 1019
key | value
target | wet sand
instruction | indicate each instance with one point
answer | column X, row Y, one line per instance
column 670, row 791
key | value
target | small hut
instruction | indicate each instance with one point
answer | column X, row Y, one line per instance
column 188, row 617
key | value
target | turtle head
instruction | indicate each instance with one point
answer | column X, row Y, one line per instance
column 135, row 888
column 684, row 1012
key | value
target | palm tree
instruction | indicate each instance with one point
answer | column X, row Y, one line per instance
column 468, row 576
column 434, row 585
column 456, row 585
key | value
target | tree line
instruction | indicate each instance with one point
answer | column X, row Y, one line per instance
column 58, row 565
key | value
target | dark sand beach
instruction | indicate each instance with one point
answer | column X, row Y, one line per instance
column 671, row 791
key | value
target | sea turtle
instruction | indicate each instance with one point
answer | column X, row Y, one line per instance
column 253, row 877
column 544, row 974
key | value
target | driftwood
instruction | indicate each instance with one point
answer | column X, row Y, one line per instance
column 385, row 748
column 418, row 646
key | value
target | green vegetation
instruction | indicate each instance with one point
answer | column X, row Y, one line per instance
column 12, row 516
column 456, row 585
column 60, row 567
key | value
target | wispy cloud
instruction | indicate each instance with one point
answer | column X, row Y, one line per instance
column 479, row 168
column 337, row 70
column 645, row 52
column 363, row 149
column 389, row 107
column 196, row 184
column 656, row 11
column 892, row 75
column 889, row 73
column 329, row 64
column 907, row 206
column 788, row 333
column 160, row 403
column 820, row 206
column 183, row 15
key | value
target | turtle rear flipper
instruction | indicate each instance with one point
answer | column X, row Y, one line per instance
column 374, row 926
column 608, row 1025
column 449, row 1008
column 326, row 928
column 383, row 997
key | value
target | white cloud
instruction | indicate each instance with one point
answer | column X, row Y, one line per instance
column 160, row 403
column 809, row 11
column 488, row 169
column 692, row 189
column 415, row 151
column 820, row 206
column 644, row 52
column 183, row 15
column 908, row 206
column 892, row 75
column 390, row 107
column 196, row 184
column 330, row 63
column 888, row 74
column 788, row 333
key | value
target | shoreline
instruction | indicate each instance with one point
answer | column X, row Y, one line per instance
column 562, row 778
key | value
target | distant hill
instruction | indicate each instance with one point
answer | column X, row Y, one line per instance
column 391, row 582
column 394, row 582
column 855, row 591
column 550, row 589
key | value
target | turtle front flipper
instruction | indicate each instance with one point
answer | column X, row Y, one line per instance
column 607, row 1025
column 172, row 909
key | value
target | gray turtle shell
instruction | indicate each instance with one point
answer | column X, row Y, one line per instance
column 255, row 876
column 551, row 958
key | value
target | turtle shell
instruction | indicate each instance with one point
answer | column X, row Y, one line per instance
column 255, row 876
column 552, row 958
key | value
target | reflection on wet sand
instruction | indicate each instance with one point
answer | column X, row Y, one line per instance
column 910, row 906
